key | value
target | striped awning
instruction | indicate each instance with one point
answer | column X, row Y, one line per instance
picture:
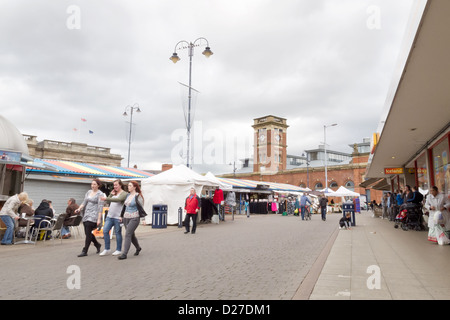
column 251, row 184
column 87, row 169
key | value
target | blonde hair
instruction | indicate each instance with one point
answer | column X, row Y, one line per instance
column 23, row 197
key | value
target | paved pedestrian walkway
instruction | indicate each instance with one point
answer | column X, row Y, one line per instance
column 264, row 257
column 374, row 260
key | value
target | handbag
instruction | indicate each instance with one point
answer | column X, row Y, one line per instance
column 141, row 210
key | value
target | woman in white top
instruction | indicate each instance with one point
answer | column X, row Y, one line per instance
column 438, row 219
column 116, row 199
column 92, row 211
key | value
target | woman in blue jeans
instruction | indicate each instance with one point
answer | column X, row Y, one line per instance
column 9, row 215
column 116, row 199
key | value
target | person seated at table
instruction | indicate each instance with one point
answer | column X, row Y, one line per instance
column 42, row 212
column 70, row 210
column 44, row 209
column 25, row 210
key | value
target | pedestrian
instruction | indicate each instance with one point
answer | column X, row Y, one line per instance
column 303, row 200
column 384, row 204
column 92, row 211
column 191, row 206
column 116, row 201
column 408, row 194
column 72, row 206
column 438, row 215
column 417, row 197
column 399, row 198
column 247, row 207
column 9, row 215
column 131, row 217
column 323, row 202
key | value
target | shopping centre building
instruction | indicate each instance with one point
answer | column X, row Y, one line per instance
column 411, row 146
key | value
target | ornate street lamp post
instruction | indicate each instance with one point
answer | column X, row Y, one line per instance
column 132, row 108
column 174, row 58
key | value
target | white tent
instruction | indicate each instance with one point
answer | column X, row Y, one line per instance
column 171, row 188
column 328, row 192
column 212, row 178
column 344, row 192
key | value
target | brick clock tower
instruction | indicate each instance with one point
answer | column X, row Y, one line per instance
column 269, row 144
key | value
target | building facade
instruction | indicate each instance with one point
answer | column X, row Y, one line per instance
column 71, row 151
column 272, row 163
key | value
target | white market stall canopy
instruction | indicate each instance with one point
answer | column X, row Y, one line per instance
column 255, row 185
column 342, row 192
column 171, row 188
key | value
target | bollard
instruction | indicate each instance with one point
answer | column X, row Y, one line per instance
column 180, row 217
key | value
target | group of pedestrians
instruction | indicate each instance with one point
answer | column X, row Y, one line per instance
column 435, row 207
column 125, row 208
column 392, row 202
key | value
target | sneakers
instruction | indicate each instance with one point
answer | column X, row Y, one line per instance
column 108, row 252
column 105, row 252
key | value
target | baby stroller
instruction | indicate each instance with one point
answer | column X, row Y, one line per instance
column 409, row 217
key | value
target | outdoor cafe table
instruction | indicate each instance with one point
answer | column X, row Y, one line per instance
column 27, row 234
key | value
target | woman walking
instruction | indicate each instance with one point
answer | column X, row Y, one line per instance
column 91, row 210
column 116, row 199
column 131, row 217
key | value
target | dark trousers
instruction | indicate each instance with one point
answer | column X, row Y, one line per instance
column 324, row 213
column 88, row 228
column 189, row 216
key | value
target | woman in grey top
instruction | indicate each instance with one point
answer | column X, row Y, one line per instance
column 92, row 211
column 116, row 199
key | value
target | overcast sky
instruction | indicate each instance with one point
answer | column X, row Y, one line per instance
column 313, row 62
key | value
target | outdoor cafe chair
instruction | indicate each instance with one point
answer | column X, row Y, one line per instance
column 51, row 226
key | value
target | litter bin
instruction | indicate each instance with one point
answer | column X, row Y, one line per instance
column 349, row 207
column 159, row 216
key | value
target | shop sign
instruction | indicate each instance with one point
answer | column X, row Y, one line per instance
column 393, row 170
column 9, row 156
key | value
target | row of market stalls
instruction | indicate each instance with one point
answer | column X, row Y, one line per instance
column 171, row 187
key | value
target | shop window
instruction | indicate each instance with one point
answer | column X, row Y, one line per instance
column 440, row 166
column 422, row 175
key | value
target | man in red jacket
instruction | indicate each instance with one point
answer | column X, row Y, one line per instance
column 192, row 205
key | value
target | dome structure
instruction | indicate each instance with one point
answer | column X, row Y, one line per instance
column 11, row 139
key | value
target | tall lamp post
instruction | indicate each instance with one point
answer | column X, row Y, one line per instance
column 174, row 58
column 132, row 108
column 325, row 148
column 307, row 169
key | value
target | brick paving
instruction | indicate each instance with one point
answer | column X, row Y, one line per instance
column 257, row 258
